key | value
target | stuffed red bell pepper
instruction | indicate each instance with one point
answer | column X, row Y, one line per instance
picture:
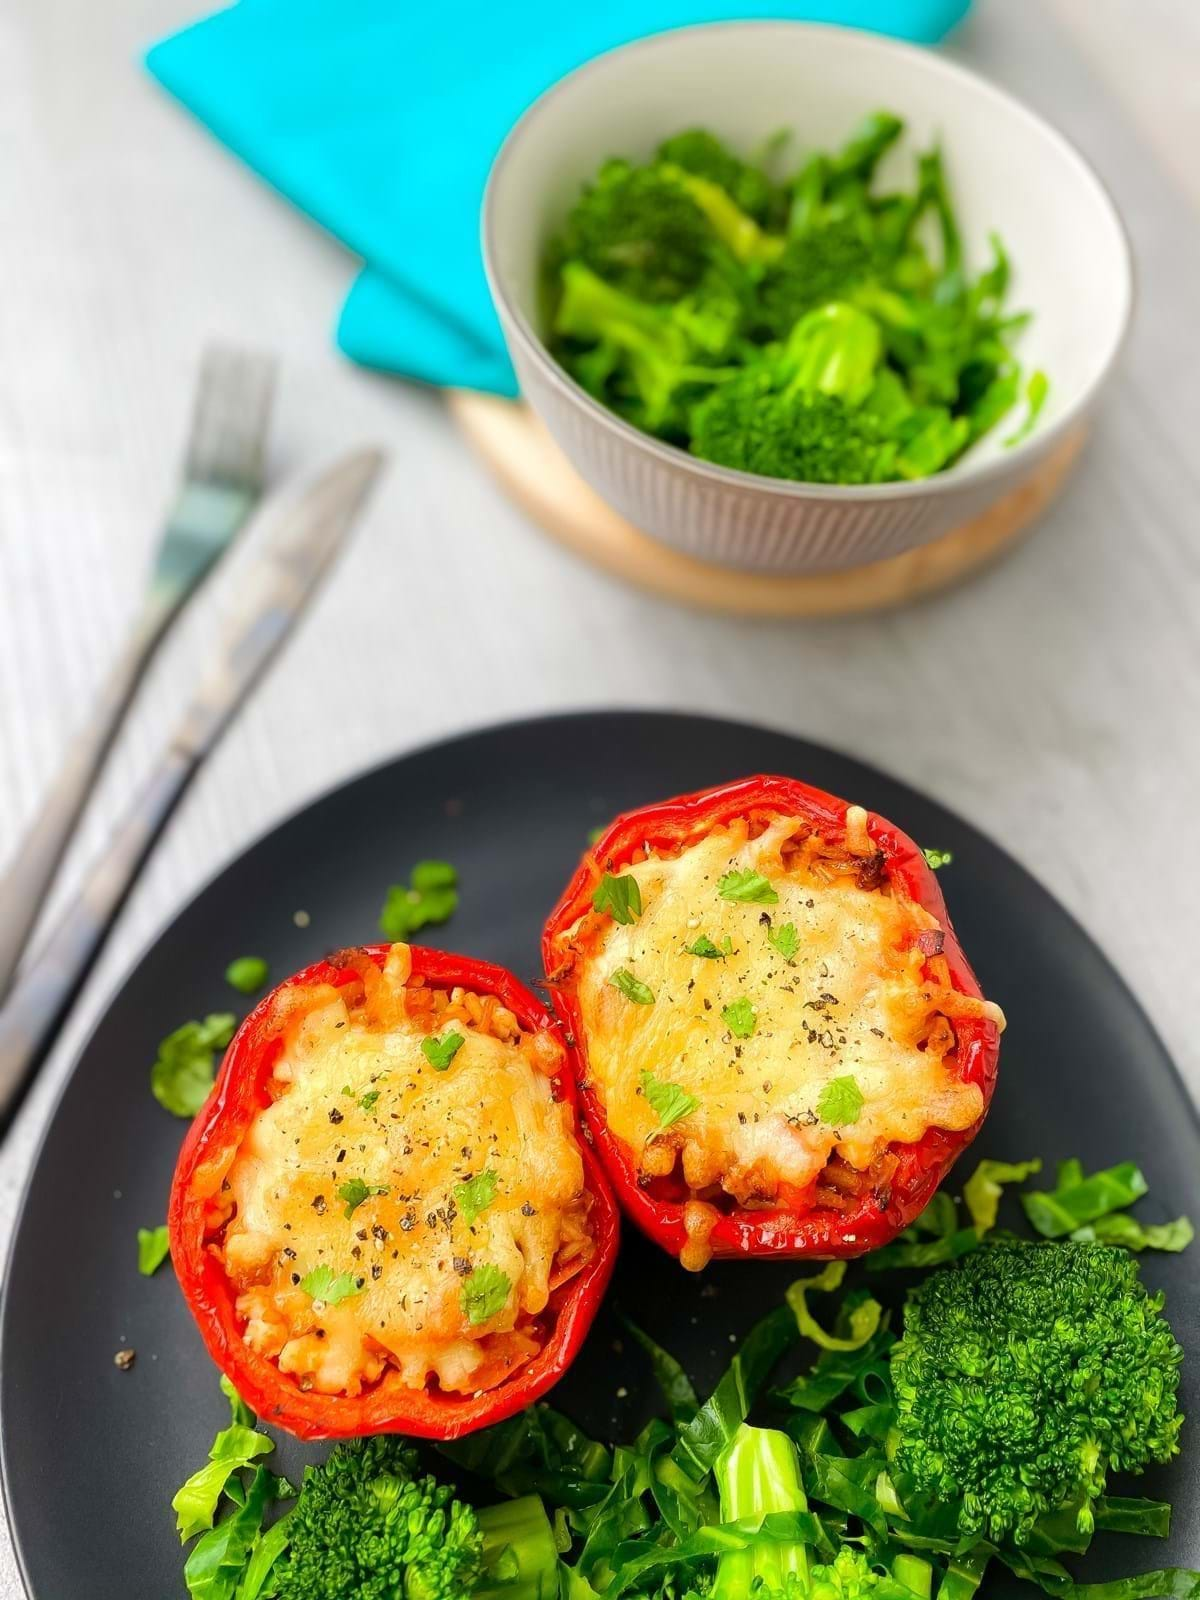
column 384, row 1219
column 780, row 1043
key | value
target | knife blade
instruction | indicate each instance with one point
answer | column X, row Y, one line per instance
column 302, row 540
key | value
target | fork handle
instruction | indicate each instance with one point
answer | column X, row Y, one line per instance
column 51, row 979
column 24, row 887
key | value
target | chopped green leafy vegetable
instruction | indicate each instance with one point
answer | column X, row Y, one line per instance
column 475, row 1195
column 841, row 1101
column 367, row 1101
column 632, row 988
column 985, row 1186
column 747, row 886
column 154, row 1247
column 328, row 1286
column 441, row 1052
column 864, row 1316
column 620, row 897
column 740, row 1017
column 195, row 1504
column 484, row 1293
column 938, row 858
column 429, row 897
column 246, row 974
column 1118, row 1227
column 668, row 1101
column 786, row 940
column 1057, row 1212
column 704, row 947
column 181, row 1078
column 354, row 1191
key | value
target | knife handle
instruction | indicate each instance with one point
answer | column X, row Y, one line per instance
column 47, row 984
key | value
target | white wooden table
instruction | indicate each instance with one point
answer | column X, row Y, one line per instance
column 1063, row 687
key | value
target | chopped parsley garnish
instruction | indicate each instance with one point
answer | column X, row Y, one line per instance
column 484, row 1294
column 938, row 858
column 367, row 1103
column 354, row 1191
column 246, row 974
column 429, row 896
column 153, row 1250
column 620, row 897
column 632, row 988
column 703, row 946
column 747, row 886
column 441, row 1052
column 182, row 1076
column 328, row 1286
column 597, row 833
column 841, row 1102
column 475, row 1195
column 786, row 940
column 668, row 1101
column 740, row 1017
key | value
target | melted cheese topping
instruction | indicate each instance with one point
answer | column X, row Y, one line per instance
column 852, row 1002
column 407, row 1250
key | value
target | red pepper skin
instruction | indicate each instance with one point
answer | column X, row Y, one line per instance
column 822, row 1233
column 389, row 1407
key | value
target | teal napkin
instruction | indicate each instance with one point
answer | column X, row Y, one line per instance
column 380, row 120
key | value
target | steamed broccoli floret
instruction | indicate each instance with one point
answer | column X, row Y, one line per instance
column 639, row 229
column 366, row 1527
column 819, row 409
column 758, row 1474
column 814, row 267
column 1024, row 1374
column 699, row 152
column 638, row 357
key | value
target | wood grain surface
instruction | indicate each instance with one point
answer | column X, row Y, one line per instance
column 1054, row 700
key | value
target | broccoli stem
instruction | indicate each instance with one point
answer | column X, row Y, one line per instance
column 520, row 1557
column 757, row 1473
column 915, row 1574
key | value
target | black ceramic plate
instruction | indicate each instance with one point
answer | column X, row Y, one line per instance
column 92, row 1455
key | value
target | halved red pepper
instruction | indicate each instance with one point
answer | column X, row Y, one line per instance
column 658, row 1205
column 241, row 1091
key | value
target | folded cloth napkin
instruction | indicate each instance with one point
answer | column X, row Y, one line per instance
column 380, row 120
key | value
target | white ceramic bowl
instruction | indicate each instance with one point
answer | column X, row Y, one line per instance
column 1009, row 170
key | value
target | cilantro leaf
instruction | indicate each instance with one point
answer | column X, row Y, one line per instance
column 703, row 946
column 938, row 858
column 747, row 886
column 182, row 1076
column 841, row 1102
column 328, row 1286
column 153, row 1249
column 246, row 974
column 429, row 896
column 620, row 897
column 367, row 1103
column 740, row 1017
column 475, row 1195
column 484, row 1294
column 786, row 940
column 354, row 1191
column 668, row 1101
column 441, row 1052
column 632, row 988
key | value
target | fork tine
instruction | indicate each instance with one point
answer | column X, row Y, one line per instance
column 229, row 423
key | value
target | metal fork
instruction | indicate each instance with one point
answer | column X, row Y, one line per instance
column 222, row 482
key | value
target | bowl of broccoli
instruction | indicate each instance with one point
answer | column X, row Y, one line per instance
column 794, row 298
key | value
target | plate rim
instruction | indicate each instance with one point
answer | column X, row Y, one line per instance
column 427, row 747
